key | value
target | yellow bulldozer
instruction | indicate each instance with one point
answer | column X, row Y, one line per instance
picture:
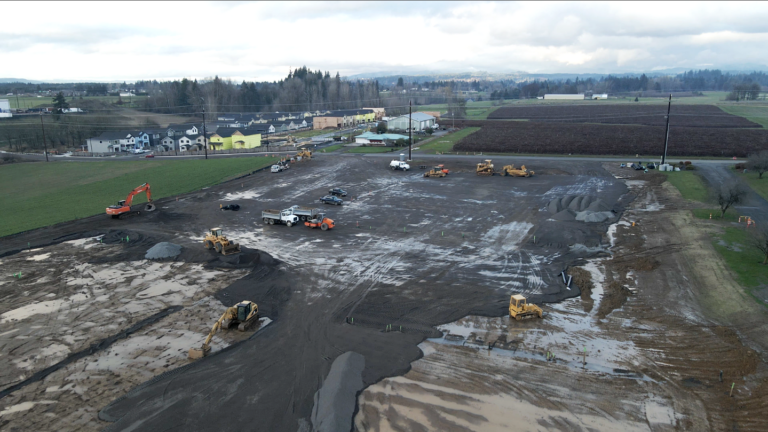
column 485, row 168
column 519, row 309
column 304, row 154
column 243, row 314
column 437, row 171
column 510, row 170
column 215, row 239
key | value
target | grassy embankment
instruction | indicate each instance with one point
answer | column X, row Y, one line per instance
column 47, row 101
column 375, row 149
column 734, row 242
column 331, row 148
column 445, row 143
column 37, row 194
column 309, row 133
column 755, row 113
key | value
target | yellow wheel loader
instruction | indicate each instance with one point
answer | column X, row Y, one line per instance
column 304, row 154
column 519, row 309
column 485, row 168
column 243, row 314
column 510, row 170
column 215, row 239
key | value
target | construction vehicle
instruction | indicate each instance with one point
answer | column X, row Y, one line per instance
column 399, row 165
column 271, row 216
column 215, row 239
column 123, row 208
column 485, row 168
column 320, row 221
column 519, row 309
column 304, row 154
column 437, row 171
column 243, row 314
column 510, row 170
column 304, row 213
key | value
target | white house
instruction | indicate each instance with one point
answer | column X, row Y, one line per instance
column 109, row 142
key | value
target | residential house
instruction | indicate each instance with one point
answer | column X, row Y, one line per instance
column 169, row 143
column 235, row 138
column 419, row 121
column 115, row 141
column 176, row 130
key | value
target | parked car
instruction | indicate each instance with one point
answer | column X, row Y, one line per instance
column 330, row 199
column 276, row 168
column 338, row 192
column 149, row 156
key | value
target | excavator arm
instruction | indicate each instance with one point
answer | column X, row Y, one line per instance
column 138, row 190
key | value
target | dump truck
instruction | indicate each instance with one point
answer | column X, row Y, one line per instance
column 320, row 221
column 272, row 217
column 485, row 168
column 519, row 309
column 510, row 170
column 215, row 239
column 304, row 213
column 437, row 171
column 243, row 314
column 399, row 165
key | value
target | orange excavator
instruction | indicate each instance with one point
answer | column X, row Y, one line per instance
column 123, row 208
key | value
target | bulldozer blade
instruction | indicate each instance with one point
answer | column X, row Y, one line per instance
column 231, row 250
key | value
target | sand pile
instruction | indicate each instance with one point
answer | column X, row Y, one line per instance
column 335, row 401
column 163, row 250
column 581, row 208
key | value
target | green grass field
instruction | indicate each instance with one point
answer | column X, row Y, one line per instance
column 445, row 143
column 38, row 194
column 755, row 113
column 332, row 148
column 730, row 216
column 690, row 185
column 758, row 185
column 743, row 258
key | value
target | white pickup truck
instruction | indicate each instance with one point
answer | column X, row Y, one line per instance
column 399, row 165
column 279, row 217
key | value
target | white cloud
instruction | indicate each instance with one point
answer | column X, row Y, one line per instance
column 262, row 40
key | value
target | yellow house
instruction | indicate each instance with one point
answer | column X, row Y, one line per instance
column 235, row 138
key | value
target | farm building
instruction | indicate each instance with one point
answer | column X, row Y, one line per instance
column 435, row 114
column 600, row 96
column 5, row 108
column 419, row 121
column 371, row 138
column 579, row 96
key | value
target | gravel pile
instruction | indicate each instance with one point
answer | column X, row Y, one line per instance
column 163, row 250
column 335, row 401
column 580, row 208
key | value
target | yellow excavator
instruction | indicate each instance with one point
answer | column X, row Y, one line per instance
column 243, row 314
column 215, row 239
column 510, row 170
column 485, row 168
column 519, row 309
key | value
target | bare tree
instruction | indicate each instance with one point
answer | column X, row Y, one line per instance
column 758, row 162
column 730, row 194
column 760, row 241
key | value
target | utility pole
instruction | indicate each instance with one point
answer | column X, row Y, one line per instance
column 666, row 138
column 45, row 146
column 205, row 138
column 410, row 129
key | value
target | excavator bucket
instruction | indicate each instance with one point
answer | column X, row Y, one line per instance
column 198, row 353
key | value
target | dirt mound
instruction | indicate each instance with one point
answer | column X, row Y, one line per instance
column 565, row 215
column 163, row 250
column 335, row 401
column 590, row 216
column 577, row 203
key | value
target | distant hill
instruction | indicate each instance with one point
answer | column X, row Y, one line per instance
column 19, row 80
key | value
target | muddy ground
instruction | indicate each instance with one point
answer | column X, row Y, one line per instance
column 408, row 254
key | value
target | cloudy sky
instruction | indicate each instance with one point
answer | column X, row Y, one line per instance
column 109, row 41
